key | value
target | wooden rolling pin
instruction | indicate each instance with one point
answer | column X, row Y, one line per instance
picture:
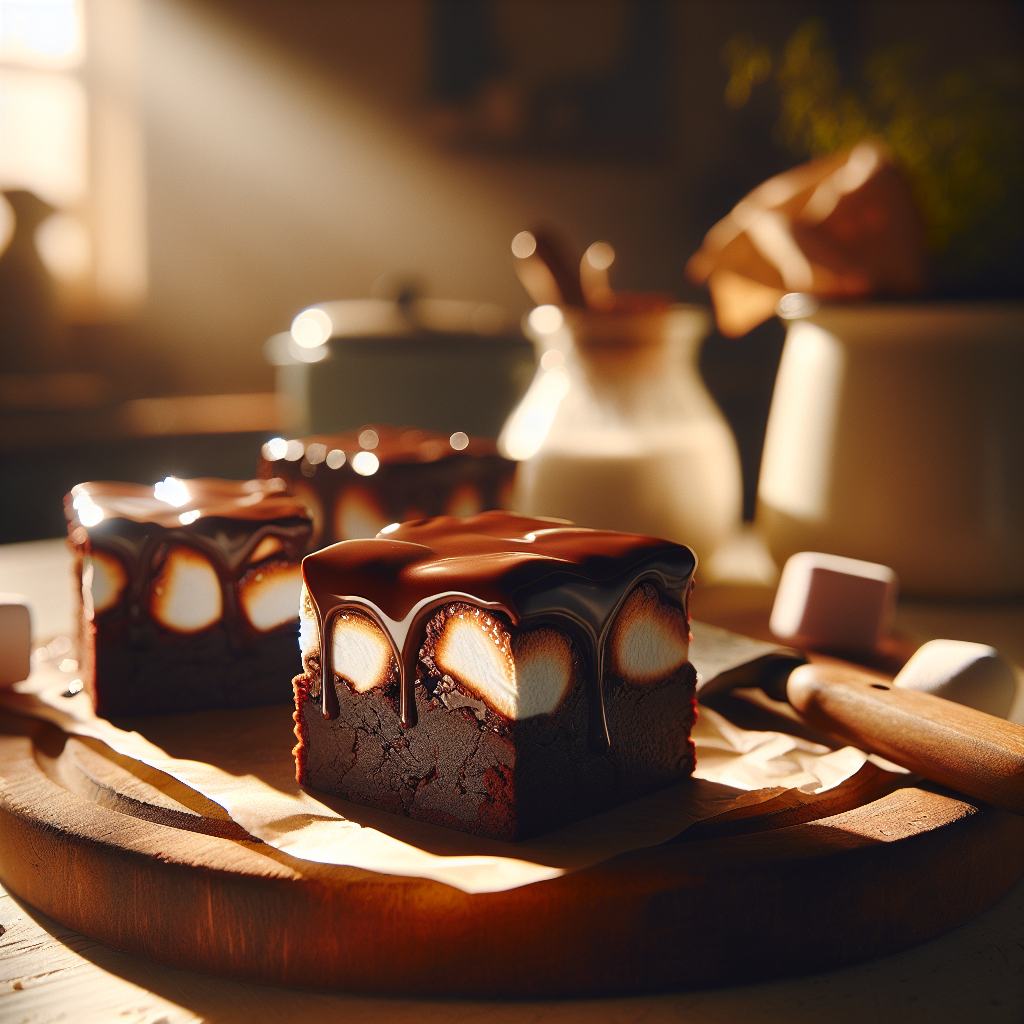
column 967, row 750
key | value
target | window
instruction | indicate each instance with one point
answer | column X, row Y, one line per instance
column 70, row 133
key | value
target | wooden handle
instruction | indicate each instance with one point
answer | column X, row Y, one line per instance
column 549, row 252
column 967, row 750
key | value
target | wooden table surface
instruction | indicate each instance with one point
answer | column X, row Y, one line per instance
column 49, row 973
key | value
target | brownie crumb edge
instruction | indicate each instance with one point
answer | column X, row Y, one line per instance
column 300, row 688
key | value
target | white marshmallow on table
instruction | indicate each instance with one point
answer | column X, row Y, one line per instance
column 971, row 674
column 832, row 602
column 15, row 638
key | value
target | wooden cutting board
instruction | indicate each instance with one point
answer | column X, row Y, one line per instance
column 126, row 855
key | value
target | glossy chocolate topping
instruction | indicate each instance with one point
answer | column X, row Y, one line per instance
column 203, row 497
column 225, row 520
column 530, row 570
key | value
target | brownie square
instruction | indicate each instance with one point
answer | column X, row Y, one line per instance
column 188, row 593
column 496, row 674
column 358, row 482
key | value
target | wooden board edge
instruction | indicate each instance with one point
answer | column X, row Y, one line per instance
column 633, row 924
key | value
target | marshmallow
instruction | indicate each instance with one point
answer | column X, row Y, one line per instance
column 186, row 595
column 648, row 641
column 544, row 671
column 15, row 638
column 361, row 655
column 971, row 674
column 309, row 636
column 475, row 650
column 270, row 545
column 105, row 578
column 358, row 514
column 831, row 602
column 270, row 594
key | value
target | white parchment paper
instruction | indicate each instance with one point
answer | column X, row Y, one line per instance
column 257, row 789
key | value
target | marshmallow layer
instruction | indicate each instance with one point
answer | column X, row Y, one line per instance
column 105, row 577
column 269, row 595
column 516, row 674
column 186, row 594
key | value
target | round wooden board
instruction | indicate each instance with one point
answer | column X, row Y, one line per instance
column 88, row 837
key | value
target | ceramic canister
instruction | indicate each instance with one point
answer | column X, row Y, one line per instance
column 896, row 435
column 433, row 363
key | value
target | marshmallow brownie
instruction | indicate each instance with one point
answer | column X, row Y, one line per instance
column 497, row 674
column 189, row 592
column 357, row 483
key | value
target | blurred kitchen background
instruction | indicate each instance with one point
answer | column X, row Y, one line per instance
column 182, row 177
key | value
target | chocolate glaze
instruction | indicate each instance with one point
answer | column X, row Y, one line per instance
column 140, row 529
column 530, row 570
column 419, row 475
column 209, row 496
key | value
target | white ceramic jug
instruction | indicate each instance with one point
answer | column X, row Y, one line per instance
column 619, row 432
column 896, row 435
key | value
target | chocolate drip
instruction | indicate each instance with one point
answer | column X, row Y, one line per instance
column 534, row 571
column 136, row 526
column 406, row 652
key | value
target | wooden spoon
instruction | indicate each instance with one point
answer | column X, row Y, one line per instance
column 543, row 272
